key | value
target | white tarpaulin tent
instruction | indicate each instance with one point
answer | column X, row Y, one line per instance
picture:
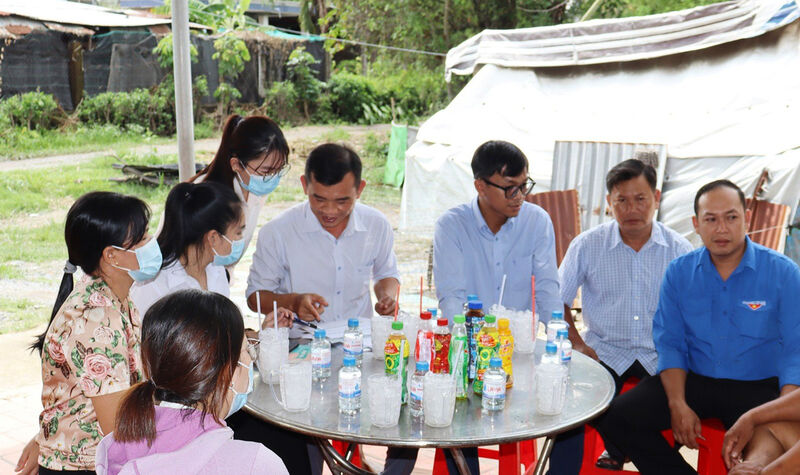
column 718, row 85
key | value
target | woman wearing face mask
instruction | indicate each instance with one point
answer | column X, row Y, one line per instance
column 198, row 372
column 90, row 350
column 252, row 157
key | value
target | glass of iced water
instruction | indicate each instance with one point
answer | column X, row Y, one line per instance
column 523, row 327
column 295, row 382
column 273, row 351
column 383, row 396
column 381, row 327
column 410, row 324
column 438, row 399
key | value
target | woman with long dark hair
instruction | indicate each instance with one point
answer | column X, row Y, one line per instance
column 197, row 372
column 252, row 158
column 90, row 350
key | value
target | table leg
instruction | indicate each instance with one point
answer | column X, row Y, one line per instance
column 335, row 461
column 461, row 463
column 544, row 455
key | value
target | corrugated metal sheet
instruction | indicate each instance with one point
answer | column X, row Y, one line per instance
column 562, row 206
column 72, row 13
column 583, row 166
column 769, row 223
column 621, row 39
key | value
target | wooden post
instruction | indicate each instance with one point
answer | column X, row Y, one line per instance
column 182, row 69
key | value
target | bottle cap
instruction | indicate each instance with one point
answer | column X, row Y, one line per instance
column 422, row 366
column 550, row 348
column 352, row 322
column 502, row 323
column 489, row 319
column 460, row 318
column 434, row 312
column 475, row 304
column 425, row 315
column 349, row 360
column 319, row 333
column 562, row 333
column 397, row 325
column 558, row 314
column 471, row 297
column 495, row 362
column 442, row 322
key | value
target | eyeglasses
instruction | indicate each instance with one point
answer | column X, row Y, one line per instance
column 511, row 191
column 280, row 171
column 252, row 348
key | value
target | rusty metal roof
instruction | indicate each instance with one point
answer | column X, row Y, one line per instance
column 563, row 208
column 769, row 223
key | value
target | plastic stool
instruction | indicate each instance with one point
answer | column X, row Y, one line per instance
column 593, row 444
column 510, row 456
column 341, row 447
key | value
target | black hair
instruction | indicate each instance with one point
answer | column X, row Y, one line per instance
column 497, row 156
column 191, row 342
column 192, row 210
column 245, row 138
column 628, row 170
column 328, row 164
column 95, row 221
column 713, row 186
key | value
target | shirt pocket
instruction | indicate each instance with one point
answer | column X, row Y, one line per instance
column 519, row 271
column 752, row 319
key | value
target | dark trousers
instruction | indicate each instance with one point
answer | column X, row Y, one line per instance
column 47, row 471
column 289, row 446
column 635, row 419
column 400, row 460
column 567, row 454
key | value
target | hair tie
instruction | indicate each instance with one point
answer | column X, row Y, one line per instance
column 69, row 267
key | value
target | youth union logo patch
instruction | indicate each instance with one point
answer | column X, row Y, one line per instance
column 754, row 304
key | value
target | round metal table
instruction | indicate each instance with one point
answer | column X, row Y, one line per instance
column 589, row 393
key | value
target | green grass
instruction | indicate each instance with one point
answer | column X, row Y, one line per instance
column 336, row 135
column 17, row 143
column 8, row 271
column 17, row 314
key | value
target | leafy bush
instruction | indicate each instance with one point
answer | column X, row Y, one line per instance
column 300, row 74
column 281, row 103
column 34, row 110
column 347, row 95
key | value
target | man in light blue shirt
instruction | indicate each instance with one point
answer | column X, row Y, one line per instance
column 498, row 233
column 727, row 333
column 619, row 266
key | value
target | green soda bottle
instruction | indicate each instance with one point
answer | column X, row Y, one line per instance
column 462, row 371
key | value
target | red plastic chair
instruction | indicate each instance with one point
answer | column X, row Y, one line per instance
column 709, row 458
column 510, row 456
column 342, row 447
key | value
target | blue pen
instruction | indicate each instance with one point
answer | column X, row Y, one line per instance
column 305, row 323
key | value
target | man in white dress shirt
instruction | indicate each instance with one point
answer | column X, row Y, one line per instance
column 319, row 257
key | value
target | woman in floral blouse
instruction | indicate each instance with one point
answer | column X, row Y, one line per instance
column 90, row 351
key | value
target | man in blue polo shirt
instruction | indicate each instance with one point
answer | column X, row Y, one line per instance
column 727, row 333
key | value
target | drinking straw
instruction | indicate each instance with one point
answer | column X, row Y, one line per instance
column 420, row 295
column 502, row 290
column 533, row 296
column 396, row 303
column 402, row 363
column 258, row 308
column 459, row 357
column 275, row 314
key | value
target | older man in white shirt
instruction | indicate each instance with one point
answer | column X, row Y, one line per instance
column 319, row 257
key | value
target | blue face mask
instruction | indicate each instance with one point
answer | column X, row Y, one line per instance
column 149, row 259
column 240, row 399
column 260, row 185
column 237, row 248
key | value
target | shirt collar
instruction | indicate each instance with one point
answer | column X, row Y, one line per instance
column 656, row 236
column 481, row 222
column 355, row 223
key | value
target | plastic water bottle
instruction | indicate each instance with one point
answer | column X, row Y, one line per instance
column 551, row 382
column 415, row 399
column 494, row 386
column 349, row 387
column 354, row 341
column 555, row 324
column 320, row 356
column 462, row 372
column 423, row 350
column 564, row 347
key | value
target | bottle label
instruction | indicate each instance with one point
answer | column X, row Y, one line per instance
column 321, row 358
column 441, row 353
column 352, row 345
column 416, row 389
column 566, row 355
column 349, row 387
column 494, row 389
column 391, row 357
column 423, row 349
